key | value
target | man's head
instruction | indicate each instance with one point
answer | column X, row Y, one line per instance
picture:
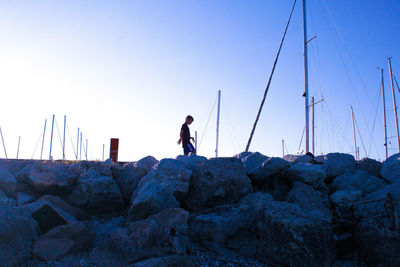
column 189, row 119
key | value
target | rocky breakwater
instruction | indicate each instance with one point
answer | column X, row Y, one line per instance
column 247, row 210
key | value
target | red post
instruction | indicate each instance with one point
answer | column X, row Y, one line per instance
column 114, row 149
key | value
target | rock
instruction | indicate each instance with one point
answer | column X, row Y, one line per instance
column 173, row 260
column 146, row 163
column 96, row 194
column 346, row 198
column 358, row 179
column 102, row 168
column 370, row 165
column 253, row 163
column 62, row 240
column 149, row 199
column 191, row 162
column 391, row 169
column 47, row 215
column 308, row 199
column 171, row 175
column 307, row 173
column 273, row 166
column 48, row 179
column 216, row 182
column 298, row 159
column 17, row 234
column 242, row 155
column 61, row 204
column 5, row 201
column 128, row 179
column 23, row 198
column 377, row 247
column 336, row 164
column 7, row 181
column 102, row 229
column 273, row 231
column 14, row 166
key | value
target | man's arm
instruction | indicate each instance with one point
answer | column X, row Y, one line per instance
column 180, row 135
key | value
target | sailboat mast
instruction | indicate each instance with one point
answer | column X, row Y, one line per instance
column 306, row 75
column 312, row 127
column 19, row 142
column 44, row 134
column 218, row 113
column 51, row 137
column 4, row 145
column 394, row 102
column 354, row 133
column 384, row 114
column 65, row 124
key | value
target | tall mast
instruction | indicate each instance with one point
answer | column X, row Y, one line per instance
column 103, row 153
column 195, row 140
column 354, row 133
column 80, row 150
column 306, row 75
column 86, row 150
column 4, row 145
column 394, row 102
column 65, row 124
column 51, row 137
column 19, row 142
column 44, row 134
column 384, row 114
column 77, row 146
column 218, row 113
column 283, row 148
column 312, row 127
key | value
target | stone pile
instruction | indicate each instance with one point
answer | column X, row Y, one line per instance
column 247, row 210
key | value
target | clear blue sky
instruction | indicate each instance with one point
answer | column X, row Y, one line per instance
column 134, row 69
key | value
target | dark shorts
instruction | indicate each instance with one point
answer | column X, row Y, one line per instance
column 188, row 149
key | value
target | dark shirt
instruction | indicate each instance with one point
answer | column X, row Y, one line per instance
column 185, row 134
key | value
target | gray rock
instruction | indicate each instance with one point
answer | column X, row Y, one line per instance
column 62, row 240
column 274, row 231
column 47, row 215
column 273, row 166
column 146, row 163
column 307, row 173
column 242, row 155
column 14, row 166
column 298, row 159
column 96, row 194
column 101, row 230
column 253, row 163
column 23, row 198
column 149, row 199
column 102, row 168
column 336, row 164
column 17, row 235
column 361, row 180
column 370, row 165
column 7, row 181
column 173, row 260
column 6, row 201
column 48, row 179
column 128, row 179
column 61, row 204
column 191, row 162
column 346, row 198
column 308, row 199
column 216, row 182
column 391, row 169
column 171, row 175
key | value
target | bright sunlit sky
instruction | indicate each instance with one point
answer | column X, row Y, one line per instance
column 133, row 70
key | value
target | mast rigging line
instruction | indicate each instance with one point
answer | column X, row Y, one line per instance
column 209, row 117
column 270, row 78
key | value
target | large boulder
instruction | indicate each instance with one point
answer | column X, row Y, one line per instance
column 149, row 199
column 128, row 179
column 370, row 165
column 146, row 163
column 216, row 182
column 307, row 173
column 253, row 163
column 62, row 240
column 48, row 179
column 361, row 180
column 278, row 232
column 346, row 198
column 7, row 181
column 295, row 159
column 96, row 194
column 6, row 201
column 14, row 166
column 173, row 260
column 23, row 198
column 308, row 199
column 102, row 168
column 391, row 169
column 336, row 164
column 17, row 235
column 171, row 175
column 191, row 162
column 273, row 166
column 242, row 155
